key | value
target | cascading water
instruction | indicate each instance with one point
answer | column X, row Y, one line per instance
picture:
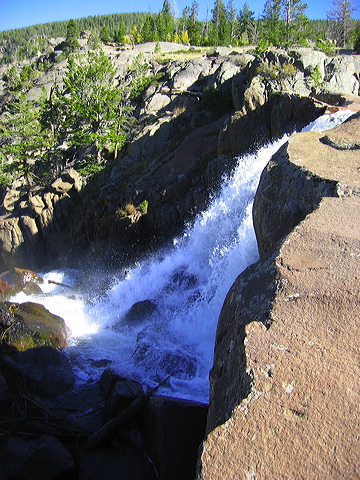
column 180, row 292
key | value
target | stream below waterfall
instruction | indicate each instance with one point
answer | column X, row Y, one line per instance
column 181, row 291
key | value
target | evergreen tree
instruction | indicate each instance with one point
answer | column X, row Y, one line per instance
column 22, row 136
column 219, row 31
column 104, row 34
column 165, row 23
column 272, row 25
column 149, row 30
column 232, row 26
column 72, row 35
column 246, row 25
column 91, row 104
column 296, row 22
column 193, row 25
column 119, row 34
column 342, row 18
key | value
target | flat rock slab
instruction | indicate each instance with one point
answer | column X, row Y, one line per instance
column 333, row 155
column 300, row 417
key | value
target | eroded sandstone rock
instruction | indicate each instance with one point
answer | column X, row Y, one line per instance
column 296, row 415
column 306, row 169
column 285, row 378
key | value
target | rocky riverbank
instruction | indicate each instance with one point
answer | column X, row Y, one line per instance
column 285, row 380
column 201, row 112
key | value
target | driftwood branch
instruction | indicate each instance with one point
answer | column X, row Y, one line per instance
column 123, row 417
column 60, row 284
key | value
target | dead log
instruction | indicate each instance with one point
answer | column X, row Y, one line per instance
column 60, row 284
column 122, row 418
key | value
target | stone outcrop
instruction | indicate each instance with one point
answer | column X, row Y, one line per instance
column 34, row 221
column 312, row 165
column 198, row 114
column 47, row 421
column 285, row 379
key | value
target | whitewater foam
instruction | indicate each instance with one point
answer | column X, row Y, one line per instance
column 187, row 283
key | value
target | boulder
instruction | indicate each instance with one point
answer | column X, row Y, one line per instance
column 342, row 74
column 307, row 59
column 41, row 371
column 139, row 312
column 29, row 324
column 43, row 458
column 17, row 280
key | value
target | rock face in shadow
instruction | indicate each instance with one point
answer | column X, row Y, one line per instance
column 285, row 379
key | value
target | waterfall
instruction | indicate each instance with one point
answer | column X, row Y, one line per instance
column 180, row 291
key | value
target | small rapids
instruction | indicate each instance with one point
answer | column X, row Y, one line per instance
column 181, row 290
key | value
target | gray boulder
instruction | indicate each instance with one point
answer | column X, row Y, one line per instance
column 43, row 371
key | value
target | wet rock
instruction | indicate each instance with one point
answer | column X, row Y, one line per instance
column 140, row 312
column 173, row 431
column 16, row 280
column 43, row 458
column 41, row 371
column 123, row 392
column 29, row 324
column 149, row 354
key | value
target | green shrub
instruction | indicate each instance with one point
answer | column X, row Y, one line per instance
column 316, row 76
column 326, row 47
column 144, row 205
column 90, row 169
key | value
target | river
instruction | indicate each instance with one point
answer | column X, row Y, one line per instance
column 186, row 284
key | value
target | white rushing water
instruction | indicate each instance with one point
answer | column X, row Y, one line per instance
column 187, row 284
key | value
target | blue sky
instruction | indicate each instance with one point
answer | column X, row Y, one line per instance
column 22, row 13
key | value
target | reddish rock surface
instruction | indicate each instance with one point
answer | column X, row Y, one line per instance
column 285, row 380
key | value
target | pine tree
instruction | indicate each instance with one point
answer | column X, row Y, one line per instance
column 165, row 23
column 341, row 15
column 295, row 22
column 148, row 30
column 219, row 31
column 193, row 24
column 104, row 34
column 272, row 24
column 72, row 35
column 119, row 34
column 22, row 136
column 232, row 23
column 91, row 106
column 246, row 25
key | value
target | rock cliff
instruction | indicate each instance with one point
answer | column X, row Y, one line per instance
column 204, row 110
column 285, row 379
